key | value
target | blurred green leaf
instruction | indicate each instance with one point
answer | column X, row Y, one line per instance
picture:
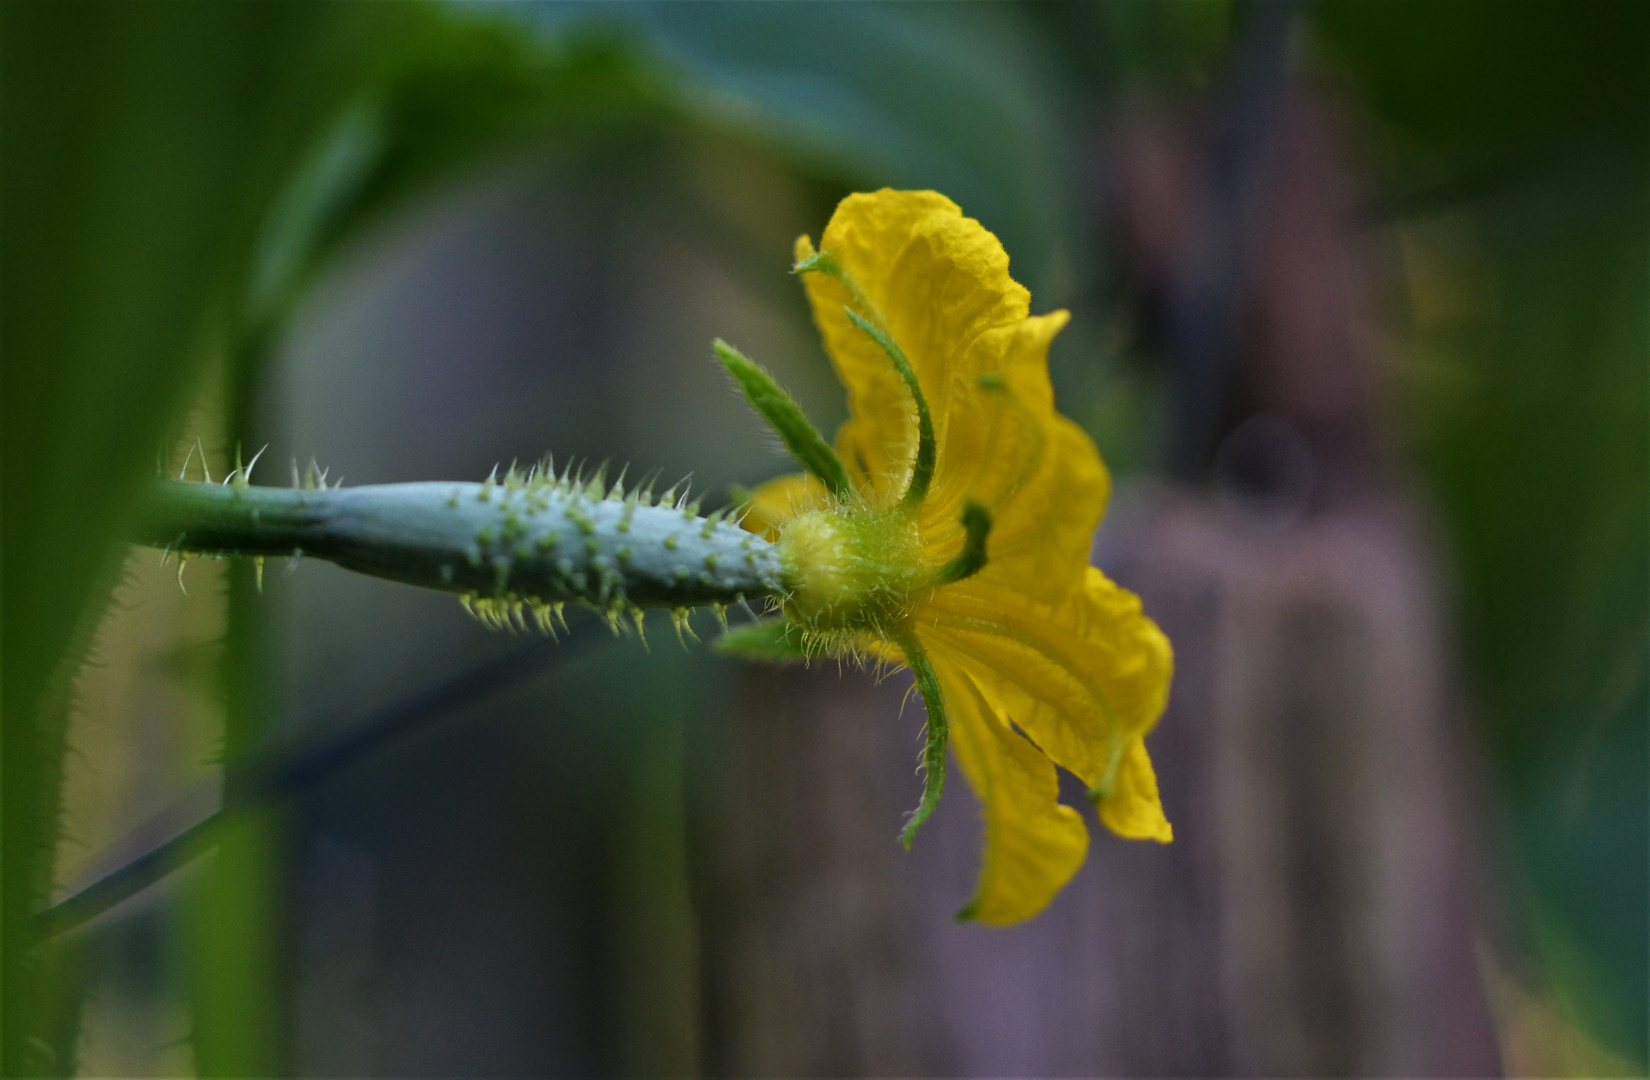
column 175, row 173
column 871, row 95
column 1523, row 131
column 1472, row 76
column 189, row 169
column 457, row 88
column 329, row 180
column 140, row 141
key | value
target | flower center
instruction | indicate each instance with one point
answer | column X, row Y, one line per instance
column 852, row 571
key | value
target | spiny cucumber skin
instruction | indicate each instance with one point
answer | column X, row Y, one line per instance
column 548, row 542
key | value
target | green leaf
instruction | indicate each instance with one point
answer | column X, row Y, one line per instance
column 150, row 137
column 954, row 97
column 330, row 178
column 452, row 91
column 1528, row 411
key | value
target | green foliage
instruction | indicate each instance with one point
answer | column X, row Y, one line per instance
column 1169, row 41
column 189, row 167
column 452, row 91
column 1523, row 134
column 152, row 137
column 1540, row 473
column 958, row 98
column 1484, row 75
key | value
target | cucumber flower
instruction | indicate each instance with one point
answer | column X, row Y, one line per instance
column 949, row 530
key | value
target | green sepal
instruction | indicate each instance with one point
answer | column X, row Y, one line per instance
column 818, row 262
column 785, row 416
column 821, row 262
column 938, row 731
column 922, row 469
column 774, row 640
column 976, row 523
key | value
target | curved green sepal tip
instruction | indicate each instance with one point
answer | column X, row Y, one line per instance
column 785, row 416
column 976, row 523
column 774, row 640
column 967, row 912
column 823, row 262
column 818, row 262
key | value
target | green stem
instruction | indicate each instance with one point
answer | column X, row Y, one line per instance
column 539, row 541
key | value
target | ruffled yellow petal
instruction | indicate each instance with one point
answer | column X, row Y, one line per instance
column 1133, row 810
column 1085, row 679
column 1042, row 535
column 1043, row 519
column 1033, row 845
column 782, row 498
column 936, row 281
column 939, row 283
column 996, row 433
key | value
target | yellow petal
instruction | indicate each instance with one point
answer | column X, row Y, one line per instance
column 1133, row 810
column 782, row 498
column 1084, row 678
column 1033, row 845
column 939, row 283
column 1006, row 447
column 997, row 433
column 1042, row 536
column 936, row 281
column 1043, row 518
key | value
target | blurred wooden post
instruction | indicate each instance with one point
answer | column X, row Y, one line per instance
column 1327, row 803
column 1313, row 917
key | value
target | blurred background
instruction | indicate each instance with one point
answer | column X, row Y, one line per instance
column 1361, row 322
